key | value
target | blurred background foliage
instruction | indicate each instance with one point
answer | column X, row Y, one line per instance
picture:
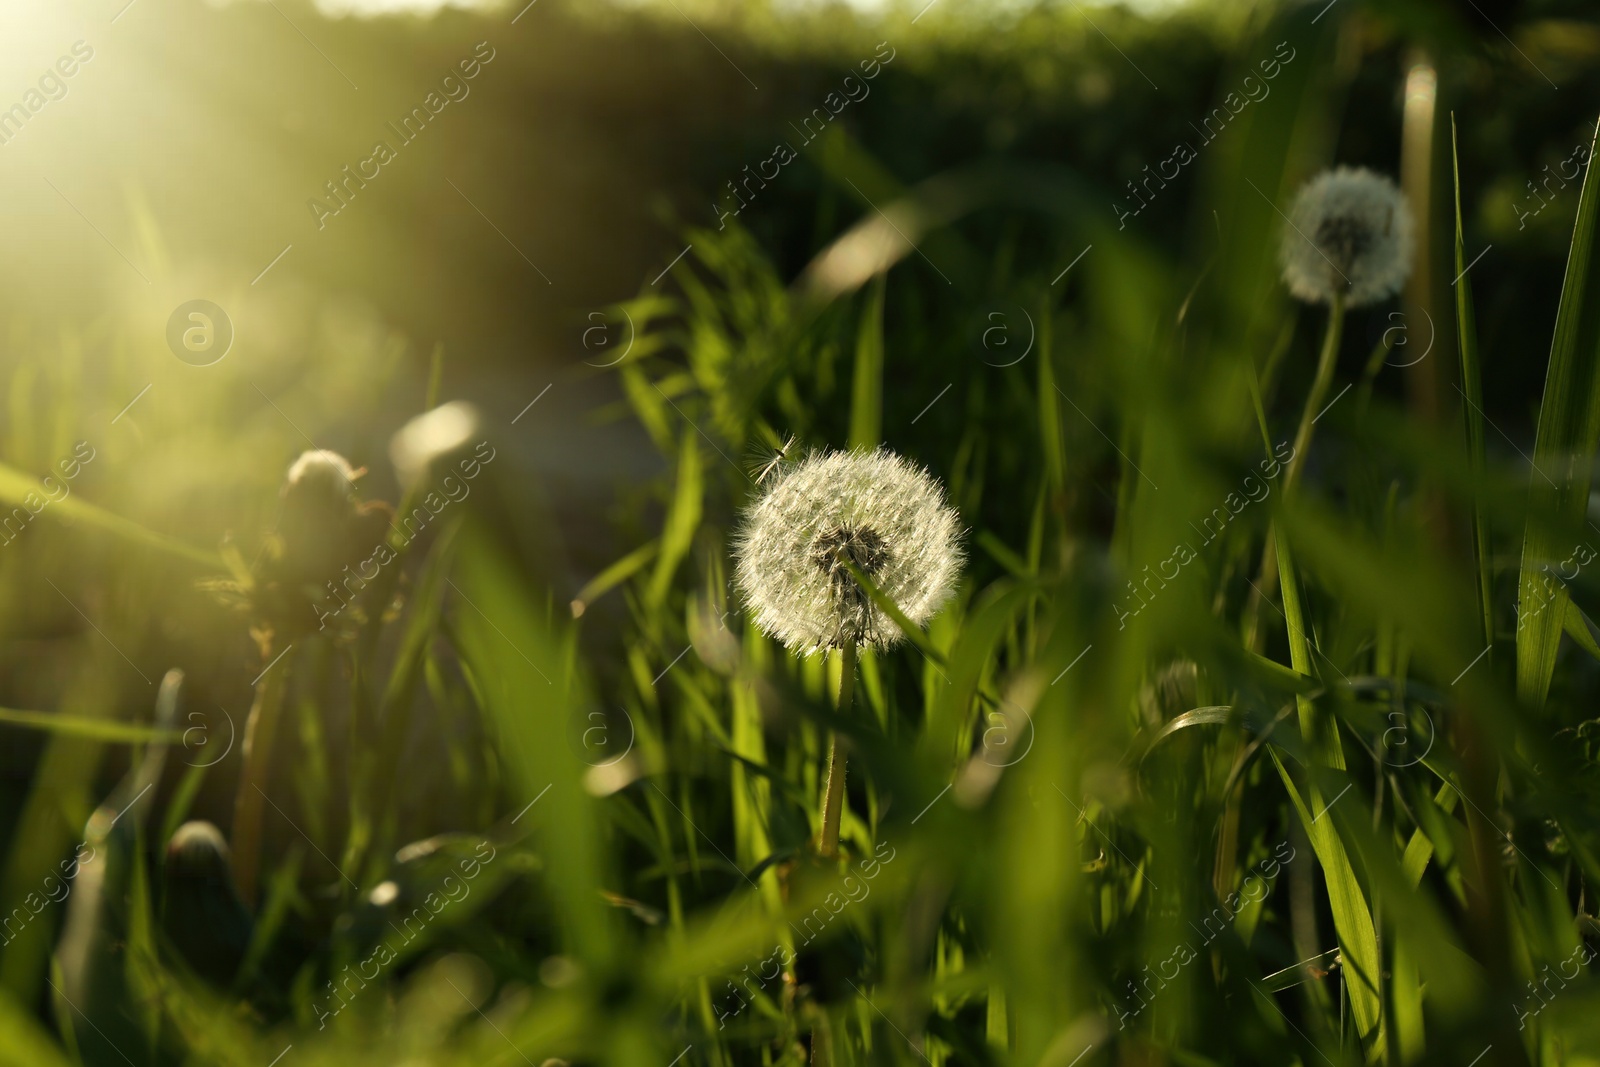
column 1058, row 798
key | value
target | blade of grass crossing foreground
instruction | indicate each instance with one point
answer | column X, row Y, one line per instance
column 751, row 794
column 23, row 1042
column 87, row 726
column 1050, row 438
column 613, row 576
column 1407, row 1040
column 866, row 401
column 1581, row 630
column 62, row 782
column 682, row 521
column 140, row 966
column 1569, row 428
column 520, row 665
column 1472, row 410
column 24, row 492
column 1352, row 921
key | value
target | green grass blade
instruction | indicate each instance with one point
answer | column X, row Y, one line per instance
column 1568, row 431
column 913, row 633
column 523, row 668
column 866, row 401
column 1211, row 715
column 25, row 493
column 1419, row 850
column 1582, row 631
column 1406, row 994
column 682, row 521
column 1472, row 410
column 613, row 576
column 107, row 730
column 1351, row 918
column 1051, row 439
column 23, row 1042
column 1002, row 554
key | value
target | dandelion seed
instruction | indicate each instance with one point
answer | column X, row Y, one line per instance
column 832, row 511
column 1350, row 235
column 775, row 461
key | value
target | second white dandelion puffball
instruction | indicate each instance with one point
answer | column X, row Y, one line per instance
column 875, row 510
column 1349, row 233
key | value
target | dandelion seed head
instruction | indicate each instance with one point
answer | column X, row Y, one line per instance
column 319, row 506
column 876, row 512
column 321, row 477
column 197, row 844
column 1349, row 233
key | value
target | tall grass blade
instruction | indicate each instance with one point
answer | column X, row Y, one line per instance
column 866, row 394
column 1051, row 439
column 682, row 521
column 1472, row 410
column 108, row 730
column 523, row 670
column 24, row 492
column 1564, row 445
column 1351, row 918
column 23, row 1042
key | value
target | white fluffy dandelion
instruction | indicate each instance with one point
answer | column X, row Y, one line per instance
column 875, row 510
column 1349, row 235
column 321, row 477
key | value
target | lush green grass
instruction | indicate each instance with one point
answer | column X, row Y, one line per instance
column 1120, row 802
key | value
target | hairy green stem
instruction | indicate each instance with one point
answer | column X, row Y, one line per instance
column 833, row 792
column 259, row 731
column 1267, row 578
column 1319, row 389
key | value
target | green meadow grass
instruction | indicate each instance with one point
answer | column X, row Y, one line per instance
column 1118, row 803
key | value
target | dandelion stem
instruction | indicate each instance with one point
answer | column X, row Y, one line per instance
column 1319, row 389
column 258, row 734
column 1267, row 580
column 833, row 792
